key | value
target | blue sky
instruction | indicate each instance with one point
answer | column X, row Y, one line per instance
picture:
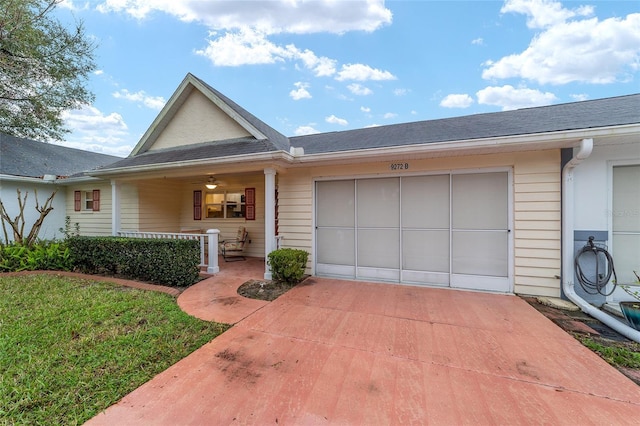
column 319, row 66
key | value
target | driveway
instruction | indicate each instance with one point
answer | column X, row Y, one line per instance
column 347, row 352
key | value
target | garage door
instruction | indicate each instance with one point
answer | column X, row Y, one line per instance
column 445, row 230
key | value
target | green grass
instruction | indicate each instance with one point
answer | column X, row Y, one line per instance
column 627, row 356
column 70, row 348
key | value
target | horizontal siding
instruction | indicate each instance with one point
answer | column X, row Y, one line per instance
column 537, row 223
column 91, row 223
column 295, row 212
column 129, row 218
column 158, row 210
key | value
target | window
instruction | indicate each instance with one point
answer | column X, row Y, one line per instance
column 86, row 200
column 225, row 205
column 626, row 222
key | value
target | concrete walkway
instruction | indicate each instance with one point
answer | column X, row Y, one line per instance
column 346, row 352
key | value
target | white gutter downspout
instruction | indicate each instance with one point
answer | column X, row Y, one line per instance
column 586, row 146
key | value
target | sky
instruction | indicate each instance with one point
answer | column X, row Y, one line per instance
column 306, row 67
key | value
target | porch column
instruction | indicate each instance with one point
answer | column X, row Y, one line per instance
column 115, row 207
column 269, row 218
column 212, row 242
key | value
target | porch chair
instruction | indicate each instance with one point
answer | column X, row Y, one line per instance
column 234, row 248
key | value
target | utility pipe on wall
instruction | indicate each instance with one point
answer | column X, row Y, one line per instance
column 586, row 147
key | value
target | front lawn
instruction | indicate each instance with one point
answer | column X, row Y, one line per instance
column 69, row 348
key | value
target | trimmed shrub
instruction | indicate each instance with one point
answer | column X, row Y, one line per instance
column 288, row 265
column 161, row 261
column 43, row 255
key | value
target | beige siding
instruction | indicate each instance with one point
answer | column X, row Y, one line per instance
column 129, row 217
column 537, row 185
column 295, row 214
column 91, row 223
column 158, row 210
column 198, row 120
column 536, row 209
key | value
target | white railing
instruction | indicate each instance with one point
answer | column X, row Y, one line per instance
column 208, row 244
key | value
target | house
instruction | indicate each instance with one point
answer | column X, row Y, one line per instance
column 472, row 202
column 37, row 168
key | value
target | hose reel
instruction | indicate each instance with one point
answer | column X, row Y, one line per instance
column 597, row 282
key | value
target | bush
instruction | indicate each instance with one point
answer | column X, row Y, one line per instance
column 161, row 261
column 43, row 255
column 288, row 265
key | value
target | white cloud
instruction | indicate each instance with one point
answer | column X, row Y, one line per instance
column 578, row 97
column 92, row 130
column 305, row 130
column 456, row 101
column 300, row 92
column 332, row 119
column 360, row 90
column 478, row 41
column 361, row 72
column 509, row 97
column 321, row 66
column 365, row 109
column 579, row 50
column 245, row 47
column 140, row 97
column 401, row 92
column 544, row 13
column 390, row 115
column 270, row 17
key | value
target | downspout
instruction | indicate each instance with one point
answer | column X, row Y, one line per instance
column 586, row 146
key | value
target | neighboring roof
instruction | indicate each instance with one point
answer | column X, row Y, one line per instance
column 29, row 158
column 259, row 129
column 600, row 113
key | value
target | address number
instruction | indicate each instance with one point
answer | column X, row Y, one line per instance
column 399, row 166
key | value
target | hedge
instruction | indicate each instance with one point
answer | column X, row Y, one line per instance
column 162, row 261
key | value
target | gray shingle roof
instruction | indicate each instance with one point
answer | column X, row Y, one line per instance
column 29, row 158
column 199, row 151
column 562, row 117
column 600, row 113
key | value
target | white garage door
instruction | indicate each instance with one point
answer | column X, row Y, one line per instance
column 446, row 230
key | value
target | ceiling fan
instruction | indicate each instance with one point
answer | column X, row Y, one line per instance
column 211, row 183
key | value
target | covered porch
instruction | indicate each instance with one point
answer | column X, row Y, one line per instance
column 200, row 205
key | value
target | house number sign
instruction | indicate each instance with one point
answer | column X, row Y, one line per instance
column 399, row 166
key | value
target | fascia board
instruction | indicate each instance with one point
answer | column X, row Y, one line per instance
column 566, row 139
column 26, row 179
column 208, row 162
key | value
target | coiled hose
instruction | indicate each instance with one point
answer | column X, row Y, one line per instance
column 599, row 284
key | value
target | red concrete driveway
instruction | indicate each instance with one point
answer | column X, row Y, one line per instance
column 345, row 352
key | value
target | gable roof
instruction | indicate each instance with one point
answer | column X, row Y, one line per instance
column 258, row 130
column 29, row 158
column 600, row 113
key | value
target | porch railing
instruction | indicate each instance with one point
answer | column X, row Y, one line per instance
column 208, row 244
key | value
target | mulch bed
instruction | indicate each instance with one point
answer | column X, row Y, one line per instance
column 263, row 289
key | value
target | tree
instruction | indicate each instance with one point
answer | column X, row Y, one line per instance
column 17, row 223
column 44, row 69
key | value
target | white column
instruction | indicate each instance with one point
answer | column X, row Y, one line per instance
column 212, row 261
column 116, row 221
column 269, row 218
